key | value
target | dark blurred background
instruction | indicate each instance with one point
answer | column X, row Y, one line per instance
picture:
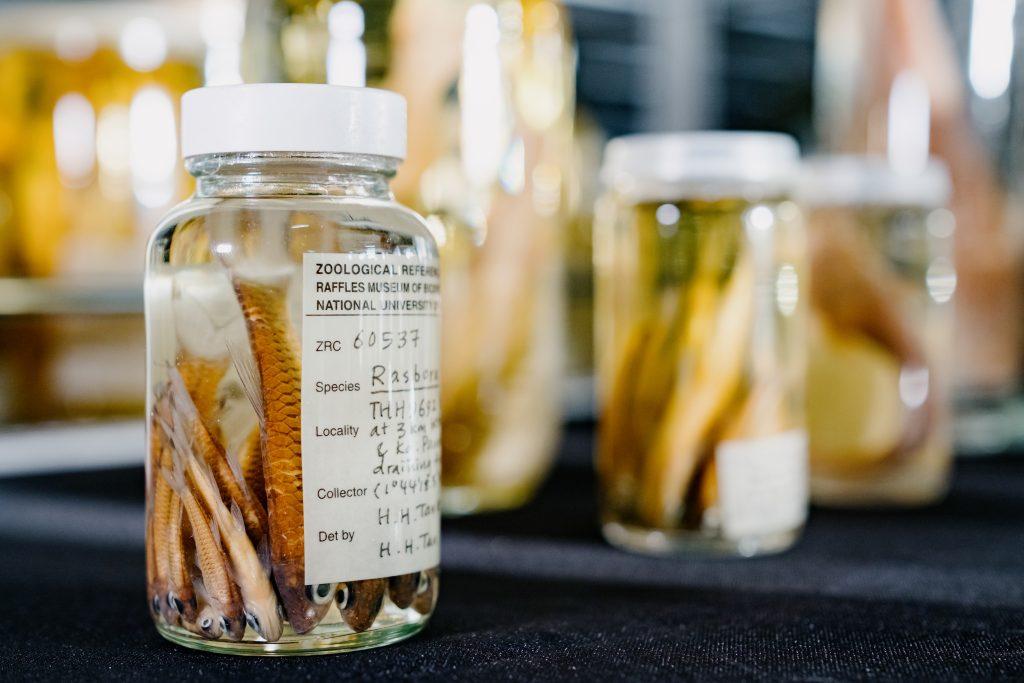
column 690, row 65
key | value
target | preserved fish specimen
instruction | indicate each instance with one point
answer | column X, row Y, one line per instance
column 292, row 321
column 881, row 291
column 889, row 83
column 699, row 259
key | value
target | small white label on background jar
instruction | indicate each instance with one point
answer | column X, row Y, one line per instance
column 371, row 415
column 762, row 484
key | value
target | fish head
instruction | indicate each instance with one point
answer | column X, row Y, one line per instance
column 262, row 617
column 360, row 602
column 209, row 622
column 321, row 593
column 163, row 604
column 232, row 626
column 303, row 612
column 185, row 608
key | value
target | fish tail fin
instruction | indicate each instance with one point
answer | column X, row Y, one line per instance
column 215, row 532
column 172, row 414
column 263, row 552
column 181, row 399
column 167, row 417
column 236, row 516
column 164, row 418
column 182, row 411
column 175, row 478
column 236, row 470
column 248, row 375
column 200, row 589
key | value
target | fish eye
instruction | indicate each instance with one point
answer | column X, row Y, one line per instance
column 176, row 603
column 424, row 584
column 319, row 594
column 206, row 624
column 253, row 621
column 342, row 597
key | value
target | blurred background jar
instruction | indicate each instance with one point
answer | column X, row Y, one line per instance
column 88, row 98
column 699, row 258
column 893, row 77
column 490, row 87
column 882, row 285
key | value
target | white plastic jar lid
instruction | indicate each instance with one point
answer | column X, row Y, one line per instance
column 664, row 166
column 292, row 117
column 869, row 180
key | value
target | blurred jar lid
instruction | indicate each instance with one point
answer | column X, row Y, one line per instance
column 870, row 180
column 665, row 166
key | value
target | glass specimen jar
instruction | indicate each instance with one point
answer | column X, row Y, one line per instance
column 910, row 80
column 882, row 283
column 699, row 260
column 490, row 152
column 292, row 313
column 490, row 89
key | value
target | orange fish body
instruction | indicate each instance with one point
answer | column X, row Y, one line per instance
column 213, row 565
column 251, row 462
column 280, row 374
column 161, row 522
column 179, row 576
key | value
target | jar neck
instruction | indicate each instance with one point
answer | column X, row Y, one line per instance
column 282, row 174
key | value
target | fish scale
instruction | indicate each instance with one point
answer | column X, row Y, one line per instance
column 202, row 378
column 179, row 576
column 252, row 466
column 161, row 518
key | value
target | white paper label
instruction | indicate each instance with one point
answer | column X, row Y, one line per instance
column 762, row 484
column 371, row 420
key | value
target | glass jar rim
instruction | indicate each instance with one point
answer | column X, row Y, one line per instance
column 212, row 163
column 870, row 180
column 681, row 164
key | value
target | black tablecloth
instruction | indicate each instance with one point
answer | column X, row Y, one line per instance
column 930, row 594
